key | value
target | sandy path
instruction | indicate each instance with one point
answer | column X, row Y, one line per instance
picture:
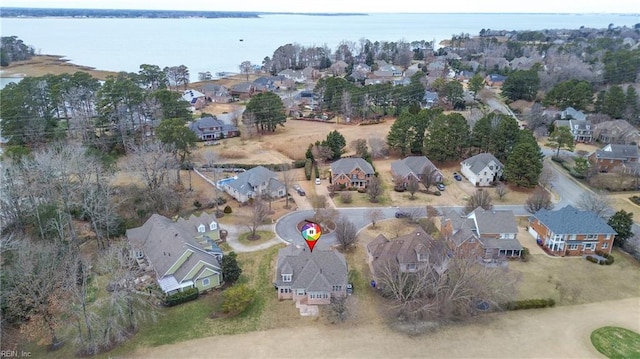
column 561, row 332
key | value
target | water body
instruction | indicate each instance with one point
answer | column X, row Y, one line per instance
column 220, row 45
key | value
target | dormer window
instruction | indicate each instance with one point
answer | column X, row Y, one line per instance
column 286, row 277
column 213, row 226
column 201, row 228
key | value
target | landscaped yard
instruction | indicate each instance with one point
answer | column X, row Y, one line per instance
column 616, row 343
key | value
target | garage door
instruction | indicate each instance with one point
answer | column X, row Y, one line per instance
column 533, row 232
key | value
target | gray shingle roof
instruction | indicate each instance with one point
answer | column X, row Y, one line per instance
column 618, row 152
column 569, row 220
column 403, row 249
column 495, row 222
column 247, row 181
column 478, row 162
column 346, row 165
column 313, row 271
column 415, row 165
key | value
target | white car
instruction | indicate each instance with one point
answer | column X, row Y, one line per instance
column 317, row 180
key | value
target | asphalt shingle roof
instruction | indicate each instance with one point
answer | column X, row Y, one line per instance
column 495, row 222
column 346, row 165
column 313, row 271
column 478, row 162
column 569, row 220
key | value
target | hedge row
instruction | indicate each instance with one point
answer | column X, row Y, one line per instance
column 307, row 168
column 181, row 297
column 608, row 261
column 529, row 304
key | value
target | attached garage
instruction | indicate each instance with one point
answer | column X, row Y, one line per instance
column 533, row 232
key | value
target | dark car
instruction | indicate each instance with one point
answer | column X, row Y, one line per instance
column 402, row 214
column 301, row 192
column 457, row 176
column 440, row 186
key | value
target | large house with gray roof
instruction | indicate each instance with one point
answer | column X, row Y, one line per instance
column 351, row 172
column 256, row 182
column 407, row 253
column 612, row 157
column 416, row 167
column 571, row 232
column 482, row 169
column 181, row 254
column 310, row 278
column 577, row 123
column 211, row 128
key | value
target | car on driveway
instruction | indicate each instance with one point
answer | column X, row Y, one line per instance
column 349, row 288
column 440, row 186
column 299, row 189
column 402, row 214
column 457, row 176
column 318, row 181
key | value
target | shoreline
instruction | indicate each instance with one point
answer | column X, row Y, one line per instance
column 41, row 65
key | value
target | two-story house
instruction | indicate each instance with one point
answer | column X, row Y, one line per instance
column 254, row 183
column 181, row 254
column 351, row 172
column 210, row 128
column 571, row 232
column 482, row 169
column 576, row 121
column 196, row 99
column 613, row 156
column 414, row 167
column 310, row 278
column 617, row 132
column 408, row 253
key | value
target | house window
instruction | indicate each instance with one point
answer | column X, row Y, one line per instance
column 573, row 247
column 591, row 236
column 286, row 277
column 206, row 282
column 300, row 292
column 491, row 167
column 201, row 228
column 213, row 226
column 605, row 245
column 412, row 266
column 589, row 246
column 354, row 176
column 337, row 288
column 608, row 237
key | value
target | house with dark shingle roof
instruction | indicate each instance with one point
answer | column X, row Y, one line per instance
column 577, row 123
column 616, row 131
column 211, row 128
column 351, row 172
column 495, row 232
column 256, row 182
column 310, row 278
column 408, row 253
column 571, row 232
column 495, row 80
column 613, row 156
column 482, row 169
column 414, row 167
column 181, row 254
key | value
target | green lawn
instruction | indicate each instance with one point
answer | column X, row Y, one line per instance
column 616, row 342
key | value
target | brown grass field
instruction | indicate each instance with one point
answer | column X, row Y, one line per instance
column 50, row 64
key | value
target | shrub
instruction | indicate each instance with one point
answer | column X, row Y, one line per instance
column 557, row 159
column 307, row 169
column 609, row 260
column 181, row 297
column 635, row 199
column 299, row 163
column 197, row 204
column 346, row 197
column 317, row 171
column 399, row 188
column 237, row 299
column 529, row 304
column 361, row 190
column 227, row 209
column 437, row 193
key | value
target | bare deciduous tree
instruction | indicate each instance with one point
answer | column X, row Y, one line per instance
column 598, row 203
column 539, row 199
column 502, row 190
column 374, row 215
column 374, row 189
column 480, row 198
column 318, row 202
column 326, row 217
column 412, row 186
column 345, row 233
column 428, row 177
column 339, row 308
column 547, row 175
column 287, row 176
column 378, row 147
column 259, row 212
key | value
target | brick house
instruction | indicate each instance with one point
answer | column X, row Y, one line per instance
column 310, row 278
column 351, row 172
column 494, row 231
column 414, row 167
column 614, row 156
column 571, row 232
column 482, row 169
column 211, row 128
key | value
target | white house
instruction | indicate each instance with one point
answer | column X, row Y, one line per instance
column 256, row 182
column 482, row 169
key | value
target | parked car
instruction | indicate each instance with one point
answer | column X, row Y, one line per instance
column 318, row 181
column 440, row 186
column 457, row 176
column 302, row 192
column 402, row 214
column 349, row 288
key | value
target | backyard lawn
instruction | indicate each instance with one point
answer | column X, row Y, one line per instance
column 616, row 342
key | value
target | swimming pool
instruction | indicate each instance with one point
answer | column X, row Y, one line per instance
column 221, row 183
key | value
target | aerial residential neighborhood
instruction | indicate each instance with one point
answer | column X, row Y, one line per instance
column 450, row 190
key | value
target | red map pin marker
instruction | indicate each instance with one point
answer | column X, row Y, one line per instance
column 311, row 232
